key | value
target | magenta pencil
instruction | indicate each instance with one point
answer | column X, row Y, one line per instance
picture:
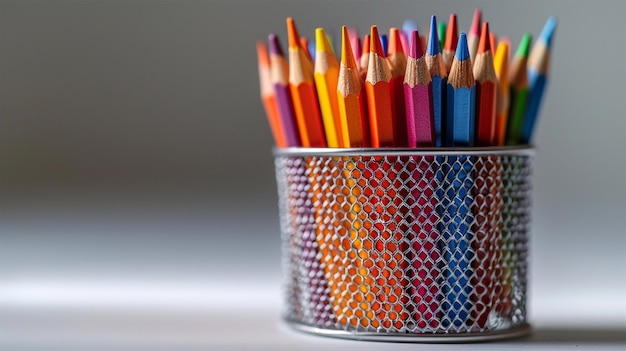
column 423, row 273
column 418, row 97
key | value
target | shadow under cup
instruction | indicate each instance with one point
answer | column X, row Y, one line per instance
column 405, row 244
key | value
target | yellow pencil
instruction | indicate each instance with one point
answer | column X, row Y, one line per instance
column 501, row 65
column 326, row 74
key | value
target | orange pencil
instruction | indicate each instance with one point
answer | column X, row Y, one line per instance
column 326, row 75
column 351, row 99
column 452, row 38
column 268, row 96
column 493, row 41
column 501, row 65
column 301, row 83
column 397, row 66
column 378, row 90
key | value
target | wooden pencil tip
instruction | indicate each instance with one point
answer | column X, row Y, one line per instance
column 347, row 57
column 321, row 41
column 292, row 34
column 548, row 31
column 524, row 46
column 452, row 34
column 433, row 38
column 261, row 51
column 485, row 43
column 395, row 44
column 462, row 50
column 493, row 41
column 475, row 28
column 416, row 45
column 375, row 45
column 275, row 47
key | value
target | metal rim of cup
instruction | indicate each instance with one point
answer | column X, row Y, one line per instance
column 525, row 150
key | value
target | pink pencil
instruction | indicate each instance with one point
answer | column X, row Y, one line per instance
column 418, row 97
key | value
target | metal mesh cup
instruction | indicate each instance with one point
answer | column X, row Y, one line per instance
column 405, row 245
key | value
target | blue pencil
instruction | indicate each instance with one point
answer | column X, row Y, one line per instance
column 385, row 43
column 438, row 74
column 538, row 64
column 458, row 183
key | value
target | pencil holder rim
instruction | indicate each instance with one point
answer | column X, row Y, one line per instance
column 527, row 150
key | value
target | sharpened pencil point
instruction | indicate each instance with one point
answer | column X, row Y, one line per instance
column 275, row 47
column 485, row 41
column 475, row 28
column 321, row 41
column 347, row 56
column 452, row 34
column 462, row 50
column 433, row 38
column 395, row 44
column 524, row 46
column 375, row 45
column 292, row 33
column 548, row 31
column 416, row 45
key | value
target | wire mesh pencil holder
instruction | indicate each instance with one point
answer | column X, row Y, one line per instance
column 423, row 245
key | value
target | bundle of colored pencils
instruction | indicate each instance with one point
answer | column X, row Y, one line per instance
column 387, row 91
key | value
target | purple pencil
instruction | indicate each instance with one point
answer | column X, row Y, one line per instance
column 280, row 78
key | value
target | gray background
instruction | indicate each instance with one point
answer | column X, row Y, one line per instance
column 136, row 168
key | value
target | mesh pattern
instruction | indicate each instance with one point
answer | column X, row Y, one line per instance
column 405, row 244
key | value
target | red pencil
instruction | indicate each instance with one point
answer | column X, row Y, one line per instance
column 486, row 87
column 397, row 65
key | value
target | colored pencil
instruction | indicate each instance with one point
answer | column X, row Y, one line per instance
column 405, row 42
column 493, row 41
column 538, row 64
column 458, row 235
column 279, row 70
column 438, row 73
column 418, row 97
column 518, row 92
column 378, row 90
column 501, row 65
column 397, row 65
column 486, row 194
column 423, row 273
column 452, row 38
column 486, row 85
column 267, row 95
column 326, row 74
column 441, row 33
column 473, row 35
column 461, row 97
column 301, row 83
column 308, row 47
column 351, row 99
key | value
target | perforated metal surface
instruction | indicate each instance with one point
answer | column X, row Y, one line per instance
column 407, row 243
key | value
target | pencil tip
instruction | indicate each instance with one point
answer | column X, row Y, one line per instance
column 416, row 45
column 524, row 46
column 261, row 51
column 462, row 50
column 433, row 38
column 375, row 45
column 321, row 41
column 475, row 28
column 292, row 34
column 452, row 34
column 347, row 57
column 275, row 47
column 395, row 45
column 485, row 40
column 548, row 31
